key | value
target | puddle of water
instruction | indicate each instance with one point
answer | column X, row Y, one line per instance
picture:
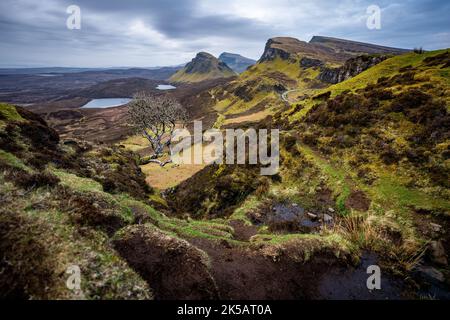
column 291, row 215
column 351, row 283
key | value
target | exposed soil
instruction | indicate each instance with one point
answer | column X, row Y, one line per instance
column 243, row 232
column 324, row 198
column 172, row 267
column 358, row 200
column 247, row 275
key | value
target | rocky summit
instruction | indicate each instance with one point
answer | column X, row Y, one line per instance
column 203, row 67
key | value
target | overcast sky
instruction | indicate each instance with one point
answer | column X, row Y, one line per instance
column 148, row 33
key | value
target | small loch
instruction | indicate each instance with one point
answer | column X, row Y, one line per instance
column 106, row 103
column 164, row 87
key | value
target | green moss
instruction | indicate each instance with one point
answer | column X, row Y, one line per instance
column 303, row 247
column 181, row 76
column 336, row 178
column 12, row 160
column 207, row 229
column 219, row 121
column 157, row 199
column 77, row 183
column 9, row 113
column 240, row 213
column 392, row 194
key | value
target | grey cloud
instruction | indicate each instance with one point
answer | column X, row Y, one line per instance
column 34, row 32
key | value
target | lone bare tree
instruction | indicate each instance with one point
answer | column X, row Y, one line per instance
column 156, row 118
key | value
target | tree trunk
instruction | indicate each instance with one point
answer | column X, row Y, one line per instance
column 154, row 159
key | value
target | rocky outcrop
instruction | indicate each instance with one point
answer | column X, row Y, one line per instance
column 274, row 50
column 351, row 68
column 310, row 63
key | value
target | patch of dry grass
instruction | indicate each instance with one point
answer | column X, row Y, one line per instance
column 169, row 176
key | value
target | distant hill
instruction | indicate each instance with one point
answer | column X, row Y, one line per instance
column 44, row 70
column 159, row 73
column 203, row 67
column 236, row 62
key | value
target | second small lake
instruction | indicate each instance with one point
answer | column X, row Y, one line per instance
column 165, row 87
column 106, row 103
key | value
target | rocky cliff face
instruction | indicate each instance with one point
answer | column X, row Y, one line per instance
column 236, row 62
column 311, row 63
column 355, row 47
column 351, row 68
column 277, row 47
column 325, row 49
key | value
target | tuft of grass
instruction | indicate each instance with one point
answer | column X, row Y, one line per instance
column 215, row 230
column 302, row 247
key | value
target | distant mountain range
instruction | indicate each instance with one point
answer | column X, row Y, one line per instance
column 236, row 62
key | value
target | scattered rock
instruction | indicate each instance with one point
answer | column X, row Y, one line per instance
column 290, row 218
column 331, row 210
column 327, row 218
column 312, row 216
column 435, row 227
column 431, row 273
column 438, row 254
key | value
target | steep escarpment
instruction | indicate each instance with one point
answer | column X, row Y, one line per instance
column 351, row 68
column 355, row 47
column 288, row 48
column 203, row 67
column 327, row 49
